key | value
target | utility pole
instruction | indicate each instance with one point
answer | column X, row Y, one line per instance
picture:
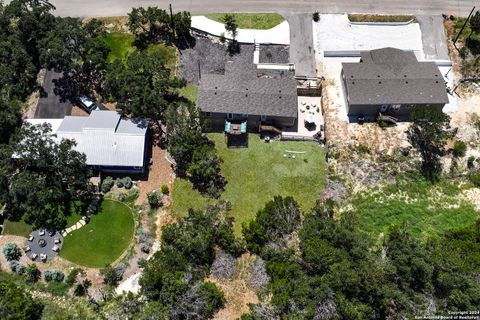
column 461, row 30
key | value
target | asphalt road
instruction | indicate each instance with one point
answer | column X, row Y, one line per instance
column 84, row 8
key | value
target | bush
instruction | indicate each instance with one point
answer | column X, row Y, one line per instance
column 72, row 276
column 53, row 275
column 107, row 184
column 164, row 189
column 475, row 178
column 127, row 182
column 112, row 275
column 470, row 162
column 121, row 197
column 11, row 252
column 459, row 148
column 119, row 183
column 17, row 267
column 145, row 248
column 222, row 37
column 316, row 16
column 32, row 274
column 153, row 199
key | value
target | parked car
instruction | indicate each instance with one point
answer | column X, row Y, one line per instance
column 88, row 104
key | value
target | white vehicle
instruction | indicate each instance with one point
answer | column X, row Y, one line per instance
column 88, row 103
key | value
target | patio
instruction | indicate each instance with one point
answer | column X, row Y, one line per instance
column 43, row 245
column 310, row 119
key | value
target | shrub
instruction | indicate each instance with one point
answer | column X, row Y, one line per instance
column 363, row 149
column 127, row 182
column 112, row 275
column 145, row 248
column 53, row 275
column 72, row 276
column 459, row 148
column 32, row 274
column 164, row 189
column 222, row 37
column 475, row 178
column 17, row 267
column 153, row 199
column 316, row 16
column 11, row 252
column 121, row 196
column 119, row 183
column 470, row 162
column 107, row 184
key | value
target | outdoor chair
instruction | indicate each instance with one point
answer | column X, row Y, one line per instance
column 57, row 240
column 30, row 238
column 27, row 248
column 41, row 232
column 33, row 256
column 55, row 248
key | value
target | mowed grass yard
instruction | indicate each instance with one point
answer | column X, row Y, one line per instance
column 103, row 239
column 261, row 21
column 256, row 174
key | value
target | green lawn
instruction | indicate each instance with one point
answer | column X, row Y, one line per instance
column 257, row 173
column 190, row 91
column 251, row 20
column 428, row 210
column 103, row 239
column 121, row 45
column 17, row 228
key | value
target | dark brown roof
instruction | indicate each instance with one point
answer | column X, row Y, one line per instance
column 240, row 91
column 393, row 76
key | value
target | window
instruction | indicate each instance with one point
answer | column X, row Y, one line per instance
column 263, row 118
column 208, row 114
column 229, row 116
column 244, row 116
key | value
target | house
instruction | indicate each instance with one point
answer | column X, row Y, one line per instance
column 111, row 142
column 241, row 100
column 393, row 82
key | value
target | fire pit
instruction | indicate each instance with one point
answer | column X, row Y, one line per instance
column 42, row 243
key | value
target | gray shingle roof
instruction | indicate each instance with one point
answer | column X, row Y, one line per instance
column 393, row 76
column 241, row 91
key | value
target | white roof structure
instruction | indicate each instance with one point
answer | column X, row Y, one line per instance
column 105, row 137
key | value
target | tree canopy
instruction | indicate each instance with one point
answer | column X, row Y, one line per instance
column 154, row 25
column 45, row 179
column 16, row 304
column 76, row 51
column 144, row 86
column 428, row 133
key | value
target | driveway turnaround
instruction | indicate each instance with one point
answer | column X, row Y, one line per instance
column 302, row 52
column 337, row 36
column 50, row 106
column 92, row 8
column 276, row 35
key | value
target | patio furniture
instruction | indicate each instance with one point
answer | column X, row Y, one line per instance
column 57, row 241
column 55, row 248
column 43, row 257
column 30, row 238
column 27, row 249
column 33, row 256
column 304, row 103
column 308, row 107
column 41, row 232
column 310, row 118
column 51, row 233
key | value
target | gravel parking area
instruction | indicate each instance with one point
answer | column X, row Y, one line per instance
column 274, row 54
column 212, row 57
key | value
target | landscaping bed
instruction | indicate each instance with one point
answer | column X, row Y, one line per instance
column 274, row 54
column 255, row 174
column 261, row 21
column 379, row 18
column 103, row 239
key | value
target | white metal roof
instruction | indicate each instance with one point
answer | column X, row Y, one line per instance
column 54, row 123
column 104, row 137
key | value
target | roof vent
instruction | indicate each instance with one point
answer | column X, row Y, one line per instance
column 404, row 75
column 215, row 92
column 279, row 97
column 378, row 76
column 379, row 82
column 436, row 81
column 406, row 81
column 351, row 76
column 353, row 82
column 436, row 76
column 246, row 89
column 279, row 91
column 246, row 95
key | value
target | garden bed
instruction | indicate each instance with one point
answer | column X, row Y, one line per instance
column 274, row 54
column 379, row 18
column 261, row 21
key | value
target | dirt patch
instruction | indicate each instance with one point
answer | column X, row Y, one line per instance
column 79, row 112
column 32, row 101
column 160, row 173
column 237, row 293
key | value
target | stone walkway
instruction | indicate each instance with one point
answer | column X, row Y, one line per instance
column 76, row 226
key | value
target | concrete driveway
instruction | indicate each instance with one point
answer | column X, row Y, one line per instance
column 49, row 105
column 91, row 8
column 302, row 52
